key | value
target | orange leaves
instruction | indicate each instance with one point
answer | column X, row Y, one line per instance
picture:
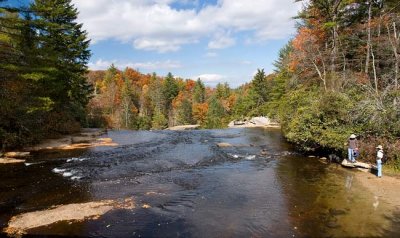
column 177, row 102
column 229, row 103
column 200, row 112
column 190, row 85
column 306, row 36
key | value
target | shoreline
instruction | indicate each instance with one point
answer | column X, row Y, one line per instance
column 386, row 187
column 86, row 138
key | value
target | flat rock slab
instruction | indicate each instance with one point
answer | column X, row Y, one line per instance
column 183, row 127
column 224, row 144
column 357, row 164
column 11, row 161
column 17, row 154
column 20, row 224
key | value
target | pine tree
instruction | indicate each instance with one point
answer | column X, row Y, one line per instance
column 64, row 51
column 215, row 114
column 170, row 90
column 199, row 92
column 260, row 86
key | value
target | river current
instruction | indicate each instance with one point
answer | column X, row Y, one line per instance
column 185, row 185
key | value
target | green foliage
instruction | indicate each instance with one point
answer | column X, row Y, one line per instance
column 143, row 123
column 260, row 87
column 199, row 94
column 185, row 113
column 44, row 56
column 170, row 89
column 159, row 121
column 215, row 114
column 222, row 91
column 245, row 104
column 312, row 119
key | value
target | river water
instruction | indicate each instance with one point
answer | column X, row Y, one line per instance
column 184, row 185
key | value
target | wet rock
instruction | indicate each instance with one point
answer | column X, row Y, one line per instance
column 78, row 140
column 223, row 144
column 336, row 212
column 17, row 155
column 263, row 152
column 334, row 159
column 11, row 161
column 332, row 224
column 18, row 225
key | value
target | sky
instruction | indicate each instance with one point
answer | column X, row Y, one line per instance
column 214, row 40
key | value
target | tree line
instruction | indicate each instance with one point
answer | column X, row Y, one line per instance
column 129, row 99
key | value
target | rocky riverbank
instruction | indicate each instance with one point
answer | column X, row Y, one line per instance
column 254, row 122
column 87, row 138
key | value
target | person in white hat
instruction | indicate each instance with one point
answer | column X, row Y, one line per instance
column 379, row 157
column 352, row 146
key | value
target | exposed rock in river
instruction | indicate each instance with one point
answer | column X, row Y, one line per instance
column 17, row 154
column 20, row 224
column 11, row 161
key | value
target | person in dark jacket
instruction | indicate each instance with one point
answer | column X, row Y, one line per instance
column 352, row 146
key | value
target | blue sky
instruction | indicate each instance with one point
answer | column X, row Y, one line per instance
column 215, row 40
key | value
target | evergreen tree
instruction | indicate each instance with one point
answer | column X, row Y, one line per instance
column 199, row 92
column 215, row 114
column 170, row 90
column 260, row 86
column 64, row 50
column 223, row 91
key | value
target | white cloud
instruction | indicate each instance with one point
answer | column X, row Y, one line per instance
column 155, row 25
column 221, row 41
column 104, row 64
column 210, row 77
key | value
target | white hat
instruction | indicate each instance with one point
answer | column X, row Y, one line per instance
column 379, row 147
column 352, row 136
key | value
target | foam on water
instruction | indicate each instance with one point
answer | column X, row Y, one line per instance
column 68, row 174
column 76, row 159
column 250, row 157
column 58, row 171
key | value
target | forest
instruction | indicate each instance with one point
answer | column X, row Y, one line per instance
column 337, row 76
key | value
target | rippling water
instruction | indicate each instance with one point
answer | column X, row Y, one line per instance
column 193, row 188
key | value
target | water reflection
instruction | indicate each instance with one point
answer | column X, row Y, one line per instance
column 349, row 180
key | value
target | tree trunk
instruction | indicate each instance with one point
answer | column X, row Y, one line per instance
column 374, row 68
column 369, row 38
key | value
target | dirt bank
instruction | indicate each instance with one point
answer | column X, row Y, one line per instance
column 386, row 188
column 20, row 224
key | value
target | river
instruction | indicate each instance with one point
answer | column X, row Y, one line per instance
column 184, row 185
